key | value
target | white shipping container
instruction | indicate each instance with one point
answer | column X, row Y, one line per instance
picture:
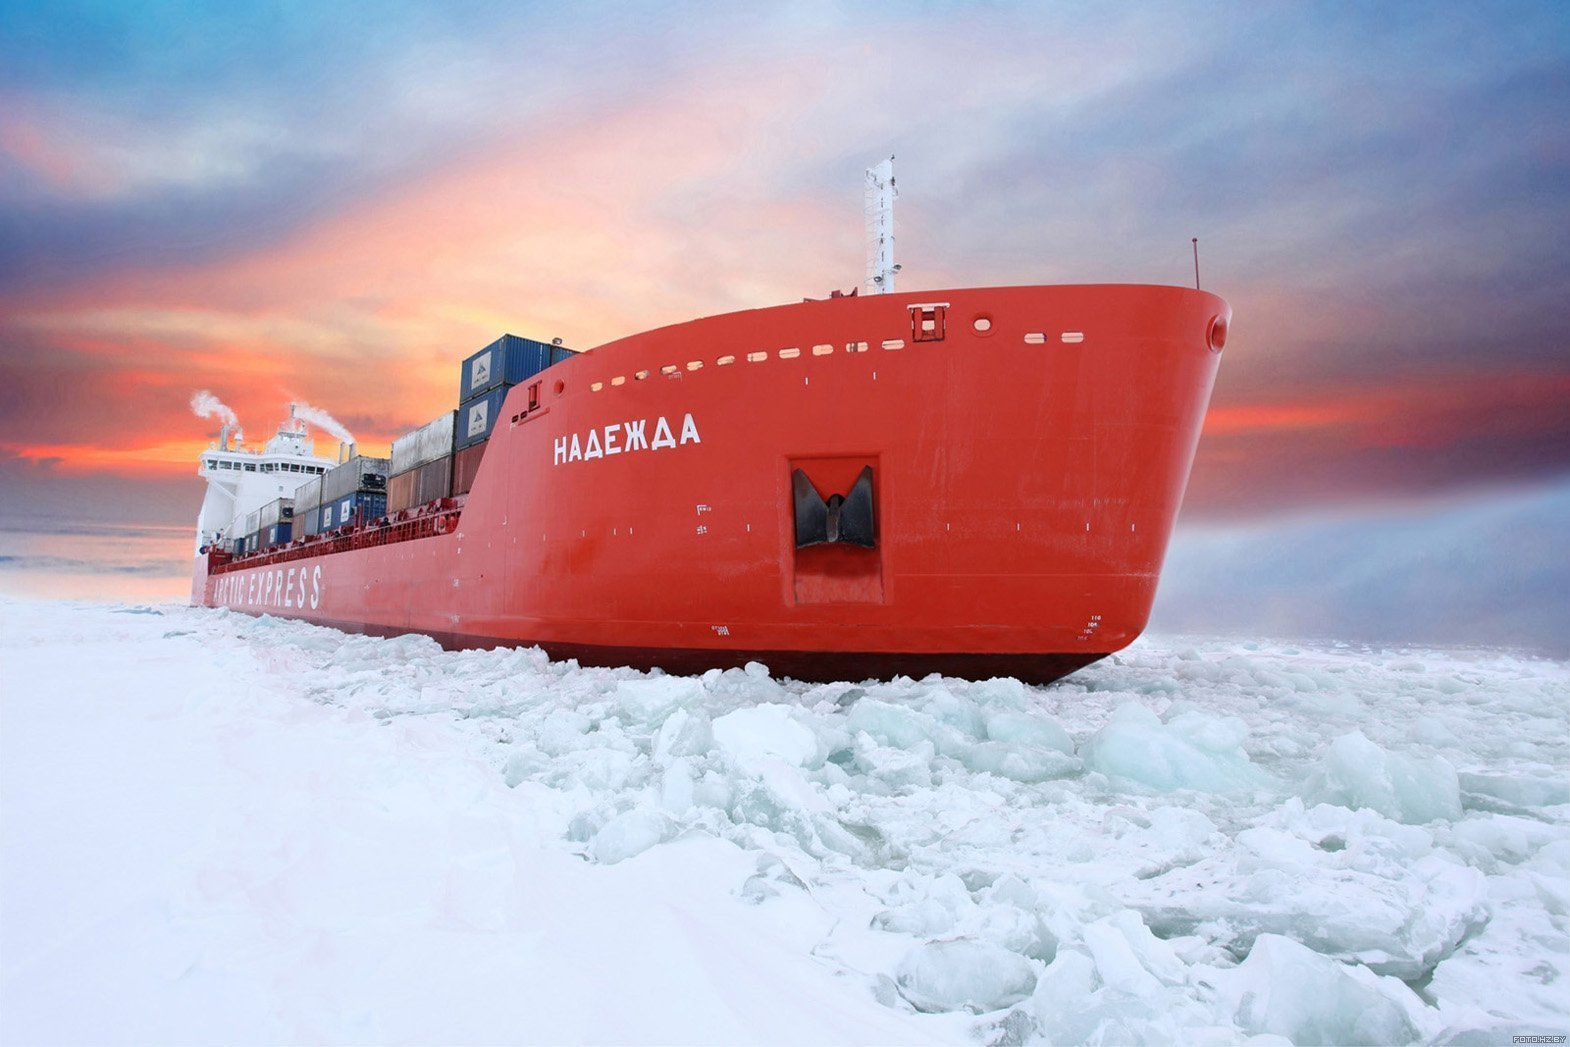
column 426, row 444
column 359, row 473
column 308, row 496
column 276, row 511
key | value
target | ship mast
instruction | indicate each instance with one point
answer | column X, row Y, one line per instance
column 880, row 228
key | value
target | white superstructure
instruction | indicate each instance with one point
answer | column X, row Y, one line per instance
column 240, row 482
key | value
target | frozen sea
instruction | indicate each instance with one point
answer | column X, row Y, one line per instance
column 215, row 828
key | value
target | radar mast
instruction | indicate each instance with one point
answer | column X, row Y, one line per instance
column 880, row 228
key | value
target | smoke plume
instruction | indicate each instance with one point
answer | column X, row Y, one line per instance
column 323, row 421
column 205, row 405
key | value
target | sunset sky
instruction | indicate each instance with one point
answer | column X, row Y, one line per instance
column 335, row 202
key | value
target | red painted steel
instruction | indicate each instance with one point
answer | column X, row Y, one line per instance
column 1028, row 467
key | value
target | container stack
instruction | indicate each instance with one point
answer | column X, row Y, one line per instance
column 485, row 380
column 421, row 465
column 307, row 507
column 276, row 522
column 354, row 493
column 441, row 459
column 253, row 527
column 503, row 364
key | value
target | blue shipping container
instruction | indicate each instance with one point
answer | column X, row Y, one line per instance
column 560, row 353
column 361, row 507
column 506, row 361
column 279, row 533
column 478, row 417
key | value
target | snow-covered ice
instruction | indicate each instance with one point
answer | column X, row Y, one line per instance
column 215, row 828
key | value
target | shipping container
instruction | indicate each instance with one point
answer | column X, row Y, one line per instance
column 354, row 509
column 435, row 481
column 426, row 444
column 477, row 418
column 429, row 482
column 359, row 473
column 239, row 547
column 280, row 533
column 308, row 497
column 276, row 511
column 301, row 482
column 253, row 522
column 560, row 353
column 506, row 361
column 400, row 491
column 465, row 465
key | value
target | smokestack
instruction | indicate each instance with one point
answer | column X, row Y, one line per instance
column 223, row 437
column 353, row 450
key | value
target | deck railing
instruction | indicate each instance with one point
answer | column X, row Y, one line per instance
column 427, row 521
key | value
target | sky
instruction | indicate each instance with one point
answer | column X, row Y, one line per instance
column 336, row 202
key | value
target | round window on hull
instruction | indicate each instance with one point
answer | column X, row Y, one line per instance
column 1218, row 333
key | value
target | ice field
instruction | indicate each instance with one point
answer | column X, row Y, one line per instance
column 215, row 828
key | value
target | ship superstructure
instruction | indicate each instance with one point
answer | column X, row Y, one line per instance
column 241, row 481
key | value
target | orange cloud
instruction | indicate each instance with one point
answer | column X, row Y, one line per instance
column 154, row 459
column 550, row 233
column 591, row 226
column 1243, row 419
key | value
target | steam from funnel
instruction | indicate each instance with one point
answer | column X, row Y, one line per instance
column 205, row 405
column 323, row 421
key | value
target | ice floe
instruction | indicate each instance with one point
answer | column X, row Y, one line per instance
column 1195, row 841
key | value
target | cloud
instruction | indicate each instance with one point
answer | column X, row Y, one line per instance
column 1486, row 569
column 345, row 216
column 91, row 565
column 1335, row 445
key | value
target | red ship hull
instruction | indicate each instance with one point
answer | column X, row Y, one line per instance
column 1026, row 473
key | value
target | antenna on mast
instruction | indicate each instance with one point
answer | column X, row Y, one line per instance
column 880, row 228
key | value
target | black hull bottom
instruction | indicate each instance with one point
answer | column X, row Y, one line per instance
column 811, row 666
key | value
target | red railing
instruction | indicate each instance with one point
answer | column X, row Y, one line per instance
column 428, row 521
